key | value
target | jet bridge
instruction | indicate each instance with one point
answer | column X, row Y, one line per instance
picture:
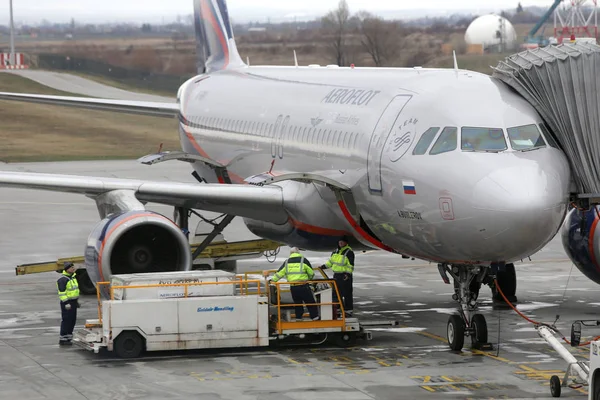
column 563, row 83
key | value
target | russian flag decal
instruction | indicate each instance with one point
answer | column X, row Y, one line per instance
column 409, row 187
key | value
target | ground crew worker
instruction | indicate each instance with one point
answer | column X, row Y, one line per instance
column 68, row 293
column 298, row 269
column 341, row 263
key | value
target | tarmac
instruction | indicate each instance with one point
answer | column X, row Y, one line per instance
column 410, row 361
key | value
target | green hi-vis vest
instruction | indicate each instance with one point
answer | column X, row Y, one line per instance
column 295, row 271
column 339, row 263
column 72, row 290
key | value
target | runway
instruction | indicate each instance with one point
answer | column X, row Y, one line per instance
column 408, row 362
column 78, row 85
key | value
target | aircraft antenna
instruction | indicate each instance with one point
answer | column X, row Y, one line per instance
column 248, row 61
column 295, row 59
column 455, row 62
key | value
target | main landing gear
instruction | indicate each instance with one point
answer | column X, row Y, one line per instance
column 467, row 282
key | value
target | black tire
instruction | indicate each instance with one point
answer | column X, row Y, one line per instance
column 129, row 344
column 86, row 286
column 507, row 280
column 596, row 385
column 555, row 386
column 229, row 266
column 346, row 339
column 480, row 330
column 455, row 332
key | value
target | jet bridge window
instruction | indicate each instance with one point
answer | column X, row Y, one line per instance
column 426, row 139
column 483, row 139
column 446, row 142
column 526, row 137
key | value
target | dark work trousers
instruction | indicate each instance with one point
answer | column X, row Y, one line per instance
column 303, row 294
column 69, row 317
column 344, row 284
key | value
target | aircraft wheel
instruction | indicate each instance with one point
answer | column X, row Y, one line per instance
column 555, row 386
column 507, row 280
column 456, row 332
column 480, row 330
column 86, row 286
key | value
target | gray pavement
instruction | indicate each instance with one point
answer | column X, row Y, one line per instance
column 78, row 85
column 407, row 362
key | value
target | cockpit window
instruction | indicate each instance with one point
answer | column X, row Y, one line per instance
column 482, row 139
column 446, row 142
column 426, row 139
column 526, row 137
column 548, row 136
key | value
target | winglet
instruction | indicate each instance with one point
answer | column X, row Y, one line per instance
column 295, row 59
column 214, row 37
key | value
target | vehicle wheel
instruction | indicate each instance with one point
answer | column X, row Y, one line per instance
column 507, row 280
column 129, row 344
column 555, row 386
column 596, row 387
column 480, row 331
column 456, row 333
column 86, row 286
column 345, row 339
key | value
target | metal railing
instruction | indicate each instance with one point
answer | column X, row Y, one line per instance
column 333, row 323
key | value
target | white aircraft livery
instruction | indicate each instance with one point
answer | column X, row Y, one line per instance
column 445, row 165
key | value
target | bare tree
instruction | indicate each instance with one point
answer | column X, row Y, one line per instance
column 379, row 38
column 335, row 23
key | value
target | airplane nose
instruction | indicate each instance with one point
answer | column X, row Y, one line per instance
column 519, row 209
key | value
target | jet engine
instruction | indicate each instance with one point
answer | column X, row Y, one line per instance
column 581, row 240
column 135, row 242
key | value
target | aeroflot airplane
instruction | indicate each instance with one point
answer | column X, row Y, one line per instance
column 444, row 165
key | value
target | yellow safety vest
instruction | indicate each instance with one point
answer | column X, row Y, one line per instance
column 72, row 290
column 295, row 271
column 339, row 263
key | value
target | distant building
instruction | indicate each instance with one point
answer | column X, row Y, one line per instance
column 493, row 32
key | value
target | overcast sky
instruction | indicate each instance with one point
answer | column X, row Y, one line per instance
column 154, row 10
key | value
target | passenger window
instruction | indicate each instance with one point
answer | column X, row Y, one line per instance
column 482, row 139
column 446, row 142
column 426, row 139
column 548, row 136
column 526, row 137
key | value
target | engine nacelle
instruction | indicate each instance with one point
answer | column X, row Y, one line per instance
column 581, row 241
column 135, row 242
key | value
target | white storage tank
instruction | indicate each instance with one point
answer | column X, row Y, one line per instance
column 177, row 277
column 491, row 30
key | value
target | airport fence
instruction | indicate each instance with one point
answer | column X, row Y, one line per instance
column 130, row 77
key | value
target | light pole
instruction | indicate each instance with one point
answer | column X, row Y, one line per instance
column 12, row 35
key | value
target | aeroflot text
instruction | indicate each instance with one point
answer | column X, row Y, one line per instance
column 354, row 97
column 214, row 309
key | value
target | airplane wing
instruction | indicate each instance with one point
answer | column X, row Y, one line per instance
column 168, row 110
column 262, row 203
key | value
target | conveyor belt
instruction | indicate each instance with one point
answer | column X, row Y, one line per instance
column 562, row 82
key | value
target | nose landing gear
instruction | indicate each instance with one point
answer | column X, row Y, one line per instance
column 467, row 282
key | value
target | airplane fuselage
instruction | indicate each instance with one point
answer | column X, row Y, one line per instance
column 361, row 127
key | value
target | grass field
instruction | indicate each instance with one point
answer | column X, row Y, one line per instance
column 33, row 132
